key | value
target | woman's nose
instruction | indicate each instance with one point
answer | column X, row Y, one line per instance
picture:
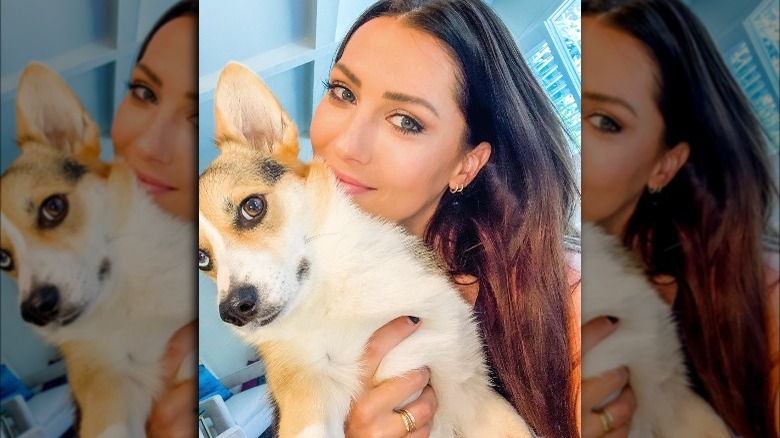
column 155, row 139
column 355, row 141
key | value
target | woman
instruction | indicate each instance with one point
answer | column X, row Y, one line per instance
column 433, row 120
column 674, row 163
column 155, row 130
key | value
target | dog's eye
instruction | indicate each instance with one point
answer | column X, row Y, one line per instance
column 253, row 208
column 52, row 211
column 204, row 261
column 6, row 261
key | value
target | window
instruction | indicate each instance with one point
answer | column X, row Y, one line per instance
column 748, row 74
column 754, row 61
column 764, row 27
column 556, row 62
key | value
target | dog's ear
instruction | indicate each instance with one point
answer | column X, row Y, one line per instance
column 245, row 110
column 49, row 113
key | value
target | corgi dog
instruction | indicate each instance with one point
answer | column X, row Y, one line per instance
column 101, row 270
column 306, row 276
column 646, row 342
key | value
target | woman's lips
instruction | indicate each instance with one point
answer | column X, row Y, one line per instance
column 153, row 186
column 350, row 185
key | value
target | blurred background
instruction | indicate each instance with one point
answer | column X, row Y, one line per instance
column 92, row 44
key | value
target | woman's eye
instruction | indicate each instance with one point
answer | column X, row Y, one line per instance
column 341, row 92
column 406, row 124
column 52, row 211
column 142, row 92
column 604, row 123
column 6, row 262
column 204, row 261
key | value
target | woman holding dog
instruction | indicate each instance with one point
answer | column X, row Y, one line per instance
column 432, row 119
column 674, row 163
column 155, row 131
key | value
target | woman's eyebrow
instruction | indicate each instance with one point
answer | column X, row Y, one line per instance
column 609, row 99
column 351, row 76
column 400, row 97
column 152, row 76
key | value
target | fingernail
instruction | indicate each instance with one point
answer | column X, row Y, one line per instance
column 613, row 319
column 414, row 319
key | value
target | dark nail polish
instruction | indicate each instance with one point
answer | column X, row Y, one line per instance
column 414, row 319
column 613, row 319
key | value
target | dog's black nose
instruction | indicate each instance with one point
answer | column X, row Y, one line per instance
column 42, row 306
column 240, row 305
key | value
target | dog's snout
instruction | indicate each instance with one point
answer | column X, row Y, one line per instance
column 42, row 306
column 240, row 305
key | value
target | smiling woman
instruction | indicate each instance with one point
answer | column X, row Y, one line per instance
column 417, row 118
column 156, row 123
column 433, row 120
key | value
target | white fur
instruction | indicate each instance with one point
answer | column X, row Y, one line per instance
column 646, row 342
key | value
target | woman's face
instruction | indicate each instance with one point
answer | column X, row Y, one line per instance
column 622, row 127
column 156, row 123
column 389, row 126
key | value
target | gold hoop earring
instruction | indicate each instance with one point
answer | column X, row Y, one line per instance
column 459, row 188
column 655, row 190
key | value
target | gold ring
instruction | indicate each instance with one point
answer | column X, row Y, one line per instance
column 408, row 420
column 607, row 421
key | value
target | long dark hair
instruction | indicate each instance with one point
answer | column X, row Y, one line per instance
column 507, row 226
column 704, row 229
column 183, row 8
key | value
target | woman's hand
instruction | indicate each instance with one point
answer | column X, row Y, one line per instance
column 372, row 412
column 596, row 390
column 173, row 413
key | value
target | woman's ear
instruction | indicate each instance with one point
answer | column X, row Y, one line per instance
column 668, row 165
column 474, row 160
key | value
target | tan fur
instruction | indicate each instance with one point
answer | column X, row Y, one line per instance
column 292, row 382
column 325, row 276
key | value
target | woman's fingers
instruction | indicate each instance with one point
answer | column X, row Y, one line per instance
column 595, row 330
column 174, row 414
column 181, row 343
column 596, row 390
column 616, row 415
column 372, row 414
column 382, row 341
column 393, row 392
column 422, row 411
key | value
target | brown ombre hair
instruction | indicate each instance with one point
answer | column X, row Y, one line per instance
column 507, row 227
column 704, row 229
